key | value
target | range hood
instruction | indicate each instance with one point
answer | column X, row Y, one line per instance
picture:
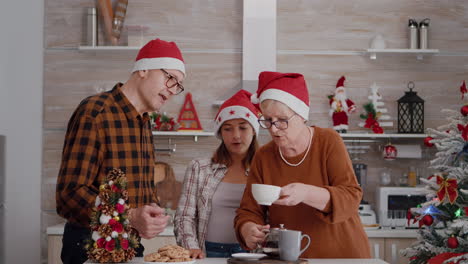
column 258, row 44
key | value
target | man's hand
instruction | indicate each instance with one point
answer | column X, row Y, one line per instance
column 196, row 253
column 149, row 220
column 253, row 234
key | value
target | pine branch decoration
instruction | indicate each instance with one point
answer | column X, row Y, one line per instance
column 113, row 239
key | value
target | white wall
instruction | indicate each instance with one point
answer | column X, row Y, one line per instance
column 21, row 71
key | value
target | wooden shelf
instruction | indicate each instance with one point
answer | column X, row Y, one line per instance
column 194, row 134
column 374, row 136
column 121, row 48
column 418, row 52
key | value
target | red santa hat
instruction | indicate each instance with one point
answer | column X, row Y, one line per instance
column 159, row 54
column 287, row 88
column 238, row 106
column 340, row 84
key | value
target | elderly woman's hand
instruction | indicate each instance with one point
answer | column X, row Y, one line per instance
column 293, row 194
column 253, row 234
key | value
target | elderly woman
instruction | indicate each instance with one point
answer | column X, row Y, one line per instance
column 213, row 187
column 320, row 195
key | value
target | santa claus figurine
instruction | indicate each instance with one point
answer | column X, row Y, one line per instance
column 340, row 107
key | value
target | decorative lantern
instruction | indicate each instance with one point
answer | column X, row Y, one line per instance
column 410, row 112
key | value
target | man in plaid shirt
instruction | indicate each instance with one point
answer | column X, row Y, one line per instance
column 112, row 130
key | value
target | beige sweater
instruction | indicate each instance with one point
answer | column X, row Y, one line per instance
column 335, row 232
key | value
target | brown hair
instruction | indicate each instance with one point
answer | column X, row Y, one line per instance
column 222, row 155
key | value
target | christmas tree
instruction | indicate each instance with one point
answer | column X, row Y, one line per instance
column 443, row 221
column 112, row 238
column 375, row 112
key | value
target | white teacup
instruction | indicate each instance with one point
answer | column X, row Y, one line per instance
column 265, row 194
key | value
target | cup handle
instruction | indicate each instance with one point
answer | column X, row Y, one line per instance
column 308, row 243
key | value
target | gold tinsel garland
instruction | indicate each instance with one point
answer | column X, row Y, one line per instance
column 113, row 239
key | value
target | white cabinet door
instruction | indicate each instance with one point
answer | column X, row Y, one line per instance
column 377, row 247
column 393, row 247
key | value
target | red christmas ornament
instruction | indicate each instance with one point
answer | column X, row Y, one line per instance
column 464, row 110
column 427, row 141
column 452, row 242
column 427, row 220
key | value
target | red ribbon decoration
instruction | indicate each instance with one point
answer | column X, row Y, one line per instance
column 372, row 123
column 448, row 187
column 463, row 89
column 464, row 130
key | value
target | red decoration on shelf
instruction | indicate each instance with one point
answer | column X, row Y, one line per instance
column 427, row 141
column 452, row 242
column 188, row 118
column 464, row 110
column 427, row 220
column 390, row 152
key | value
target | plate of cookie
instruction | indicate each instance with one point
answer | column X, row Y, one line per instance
column 169, row 253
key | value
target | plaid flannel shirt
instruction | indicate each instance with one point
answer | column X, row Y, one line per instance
column 202, row 177
column 104, row 132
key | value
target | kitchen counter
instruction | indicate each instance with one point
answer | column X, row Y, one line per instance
column 314, row 261
column 387, row 233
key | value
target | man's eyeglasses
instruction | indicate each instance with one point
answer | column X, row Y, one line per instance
column 172, row 81
column 281, row 124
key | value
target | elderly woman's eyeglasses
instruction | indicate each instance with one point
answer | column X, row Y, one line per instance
column 172, row 81
column 279, row 124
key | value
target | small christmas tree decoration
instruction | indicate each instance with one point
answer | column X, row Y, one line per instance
column 162, row 122
column 340, row 107
column 375, row 113
column 427, row 141
column 452, row 242
column 188, row 118
column 447, row 197
column 112, row 238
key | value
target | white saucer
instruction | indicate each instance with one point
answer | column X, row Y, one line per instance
column 248, row 255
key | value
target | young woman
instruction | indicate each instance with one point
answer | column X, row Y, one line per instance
column 213, row 187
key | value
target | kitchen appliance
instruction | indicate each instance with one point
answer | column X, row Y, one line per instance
column 392, row 201
column 367, row 215
column 360, row 170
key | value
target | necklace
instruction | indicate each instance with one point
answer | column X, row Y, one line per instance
column 303, row 158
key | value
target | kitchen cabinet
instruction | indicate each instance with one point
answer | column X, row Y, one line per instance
column 393, row 247
column 377, row 247
column 384, row 244
column 388, row 249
